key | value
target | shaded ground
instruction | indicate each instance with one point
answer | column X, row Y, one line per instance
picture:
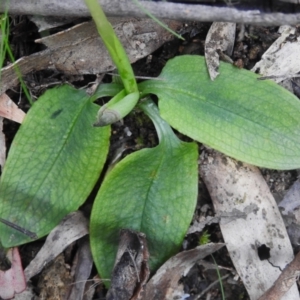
column 138, row 132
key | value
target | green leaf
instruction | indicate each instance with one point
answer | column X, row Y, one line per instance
column 107, row 89
column 255, row 121
column 53, row 163
column 153, row 191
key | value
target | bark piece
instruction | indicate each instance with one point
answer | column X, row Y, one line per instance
column 251, row 223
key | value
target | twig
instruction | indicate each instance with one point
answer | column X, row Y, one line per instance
column 176, row 11
column 284, row 282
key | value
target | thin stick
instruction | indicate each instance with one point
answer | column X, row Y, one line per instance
column 29, row 233
column 167, row 10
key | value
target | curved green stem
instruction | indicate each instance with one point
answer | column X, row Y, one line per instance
column 113, row 46
column 163, row 129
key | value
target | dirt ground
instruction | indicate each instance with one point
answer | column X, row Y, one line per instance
column 135, row 133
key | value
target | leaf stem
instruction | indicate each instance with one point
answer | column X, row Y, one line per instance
column 163, row 129
column 113, row 46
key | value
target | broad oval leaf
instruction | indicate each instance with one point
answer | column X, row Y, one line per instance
column 53, row 163
column 256, row 121
column 153, row 191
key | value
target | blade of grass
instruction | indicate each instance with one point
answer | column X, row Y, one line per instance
column 137, row 3
column 5, row 49
column 220, row 279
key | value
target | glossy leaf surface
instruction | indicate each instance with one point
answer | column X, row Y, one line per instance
column 53, row 163
column 256, row 121
column 153, row 191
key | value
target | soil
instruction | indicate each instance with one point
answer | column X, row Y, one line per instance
column 137, row 132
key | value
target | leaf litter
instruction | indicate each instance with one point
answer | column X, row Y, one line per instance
column 251, row 223
column 73, row 51
column 233, row 216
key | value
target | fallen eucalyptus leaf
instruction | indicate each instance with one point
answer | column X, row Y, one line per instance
column 285, row 281
column 9, row 110
column 255, row 226
column 71, row 228
column 281, row 60
column 219, row 39
column 48, row 22
column 79, row 50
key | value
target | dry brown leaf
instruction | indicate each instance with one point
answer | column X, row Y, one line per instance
column 71, row 228
column 219, row 39
column 281, row 60
column 251, row 223
column 79, row 50
column 9, row 110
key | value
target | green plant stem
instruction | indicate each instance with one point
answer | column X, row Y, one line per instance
column 118, row 107
column 163, row 129
column 19, row 74
column 113, row 46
